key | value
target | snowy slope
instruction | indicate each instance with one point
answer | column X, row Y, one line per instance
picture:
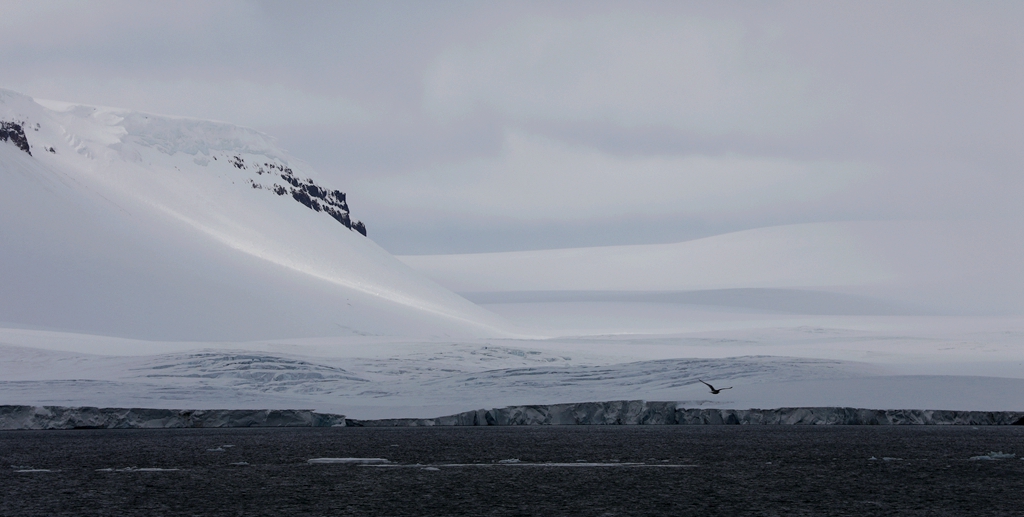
column 128, row 224
column 864, row 267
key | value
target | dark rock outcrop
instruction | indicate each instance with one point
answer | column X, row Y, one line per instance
column 14, row 132
column 314, row 197
column 60, row 417
column 639, row 412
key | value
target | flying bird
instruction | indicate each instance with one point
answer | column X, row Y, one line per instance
column 713, row 390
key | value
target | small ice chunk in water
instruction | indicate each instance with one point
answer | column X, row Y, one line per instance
column 510, row 460
column 431, row 468
column 352, row 461
column 134, row 469
column 218, row 449
column 994, row 456
column 227, row 446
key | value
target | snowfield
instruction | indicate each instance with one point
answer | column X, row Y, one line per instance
column 912, row 363
column 162, row 262
column 898, row 267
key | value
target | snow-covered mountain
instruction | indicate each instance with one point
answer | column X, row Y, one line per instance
column 166, row 262
column 120, row 223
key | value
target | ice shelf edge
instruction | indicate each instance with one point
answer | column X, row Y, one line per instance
column 62, row 417
column 624, row 412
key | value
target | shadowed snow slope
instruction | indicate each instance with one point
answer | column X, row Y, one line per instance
column 127, row 224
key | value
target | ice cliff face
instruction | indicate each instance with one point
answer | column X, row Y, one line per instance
column 620, row 412
column 640, row 412
column 129, row 224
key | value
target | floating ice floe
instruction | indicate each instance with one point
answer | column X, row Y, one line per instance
column 135, row 469
column 351, row 461
column 544, row 465
column 510, row 460
column 33, row 470
column 994, row 456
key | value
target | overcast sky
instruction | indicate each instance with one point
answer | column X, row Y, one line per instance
column 486, row 126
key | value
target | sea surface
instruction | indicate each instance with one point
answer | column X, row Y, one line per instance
column 569, row 470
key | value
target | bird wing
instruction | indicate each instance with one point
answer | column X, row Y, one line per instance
column 729, row 388
column 706, row 384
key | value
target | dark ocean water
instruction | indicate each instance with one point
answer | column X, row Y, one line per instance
column 662, row 470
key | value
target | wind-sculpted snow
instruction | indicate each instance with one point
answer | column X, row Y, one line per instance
column 659, row 374
column 249, row 371
column 58, row 417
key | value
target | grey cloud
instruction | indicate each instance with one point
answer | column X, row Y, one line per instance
column 701, row 75
column 925, row 92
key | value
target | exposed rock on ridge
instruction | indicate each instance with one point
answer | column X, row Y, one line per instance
column 639, row 412
column 306, row 192
column 127, row 132
column 58, row 417
column 14, row 132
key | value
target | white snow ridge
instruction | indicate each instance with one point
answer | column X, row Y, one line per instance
column 160, row 262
